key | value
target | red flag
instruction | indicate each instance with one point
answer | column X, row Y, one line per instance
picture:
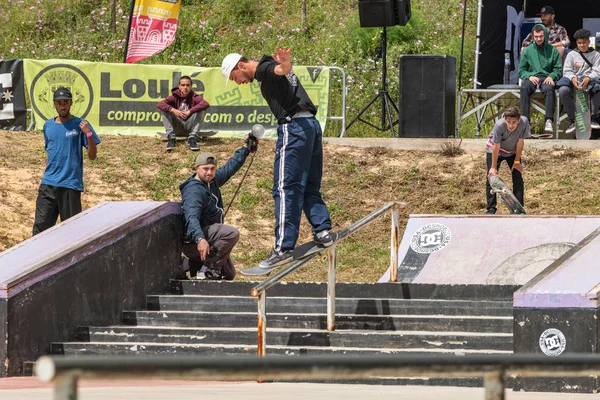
column 152, row 29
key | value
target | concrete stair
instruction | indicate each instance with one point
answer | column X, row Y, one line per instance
column 220, row 318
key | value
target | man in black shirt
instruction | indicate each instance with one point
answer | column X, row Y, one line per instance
column 298, row 162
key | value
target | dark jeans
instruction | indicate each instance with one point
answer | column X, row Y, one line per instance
column 53, row 201
column 528, row 88
column 517, row 179
column 221, row 237
column 566, row 94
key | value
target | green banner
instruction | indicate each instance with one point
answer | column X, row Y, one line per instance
column 122, row 98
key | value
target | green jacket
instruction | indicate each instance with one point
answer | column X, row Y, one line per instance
column 540, row 61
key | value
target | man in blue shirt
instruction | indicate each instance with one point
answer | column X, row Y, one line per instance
column 65, row 136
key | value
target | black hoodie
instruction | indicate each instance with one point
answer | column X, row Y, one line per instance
column 202, row 203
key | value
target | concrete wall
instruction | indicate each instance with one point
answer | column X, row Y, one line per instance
column 90, row 283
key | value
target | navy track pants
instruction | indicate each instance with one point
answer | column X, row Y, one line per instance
column 297, row 180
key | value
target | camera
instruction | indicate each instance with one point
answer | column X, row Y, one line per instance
column 252, row 143
column 257, row 132
column 214, row 253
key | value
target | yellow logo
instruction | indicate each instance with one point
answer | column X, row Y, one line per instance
column 61, row 75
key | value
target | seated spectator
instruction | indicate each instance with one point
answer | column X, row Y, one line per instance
column 180, row 113
column 557, row 35
column 581, row 71
column 539, row 68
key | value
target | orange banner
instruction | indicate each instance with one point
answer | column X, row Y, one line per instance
column 153, row 28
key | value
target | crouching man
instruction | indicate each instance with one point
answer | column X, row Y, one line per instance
column 209, row 240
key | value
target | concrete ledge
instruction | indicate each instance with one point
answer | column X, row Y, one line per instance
column 84, row 271
column 433, row 144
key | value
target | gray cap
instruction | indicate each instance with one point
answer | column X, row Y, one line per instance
column 206, row 158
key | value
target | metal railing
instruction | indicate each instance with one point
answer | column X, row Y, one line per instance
column 259, row 290
column 64, row 372
column 344, row 94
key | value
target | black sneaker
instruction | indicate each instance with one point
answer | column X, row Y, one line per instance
column 192, row 143
column 491, row 211
column 171, row 143
column 277, row 258
column 571, row 128
column 323, row 238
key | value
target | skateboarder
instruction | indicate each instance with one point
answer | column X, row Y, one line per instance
column 202, row 206
column 581, row 71
column 180, row 113
column 299, row 151
column 505, row 143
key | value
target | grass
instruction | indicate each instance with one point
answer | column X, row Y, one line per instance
column 137, row 168
column 209, row 29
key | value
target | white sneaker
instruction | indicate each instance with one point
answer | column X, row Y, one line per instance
column 571, row 128
column 595, row 125
column 548, row 126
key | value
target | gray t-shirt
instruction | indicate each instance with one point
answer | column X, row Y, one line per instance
column 507, row 139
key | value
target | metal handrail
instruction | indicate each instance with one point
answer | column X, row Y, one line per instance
column 65, row 372
column 344, row 94
column 259, row 291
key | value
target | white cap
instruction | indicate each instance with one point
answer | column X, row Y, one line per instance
column 229, row 63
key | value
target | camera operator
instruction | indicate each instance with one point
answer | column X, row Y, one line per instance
column 208, row 240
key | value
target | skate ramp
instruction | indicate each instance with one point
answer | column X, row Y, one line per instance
column 485, row 250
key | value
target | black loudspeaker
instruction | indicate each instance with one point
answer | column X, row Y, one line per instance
column 427, row 104
column 375, row 13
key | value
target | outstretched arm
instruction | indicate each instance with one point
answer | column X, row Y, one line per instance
column 283, row 58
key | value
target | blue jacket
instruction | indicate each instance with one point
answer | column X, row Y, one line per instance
column 202, row 203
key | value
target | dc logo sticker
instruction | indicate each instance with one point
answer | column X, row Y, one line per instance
column 552, row 342
column 430, row 238
column 61, row 75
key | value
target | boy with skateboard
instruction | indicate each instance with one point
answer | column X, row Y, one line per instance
column 505, row 143
column 581, row 72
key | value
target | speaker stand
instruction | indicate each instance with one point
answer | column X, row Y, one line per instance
column 386, row 115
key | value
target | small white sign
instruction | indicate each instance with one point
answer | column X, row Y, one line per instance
column 430, row 238
column 552, row 342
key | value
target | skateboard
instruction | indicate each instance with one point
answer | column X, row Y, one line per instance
column 583, row 122
column 200, row 134
column 299, row 252
column 542, row 135
column 508, row 198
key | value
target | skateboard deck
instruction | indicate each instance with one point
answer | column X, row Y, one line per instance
column 542, row 135
column 200, row 134
column 507, row 197
column 583, row 122
column 299, row 252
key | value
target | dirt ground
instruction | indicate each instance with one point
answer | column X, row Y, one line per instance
column 356, row 181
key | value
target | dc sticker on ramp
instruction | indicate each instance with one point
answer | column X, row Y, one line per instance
column 430, row 238
column 552, row 342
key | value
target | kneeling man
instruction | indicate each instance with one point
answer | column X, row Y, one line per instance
column 209, row 240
